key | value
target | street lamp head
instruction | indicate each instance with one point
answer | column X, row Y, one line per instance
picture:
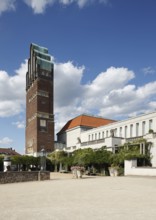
column 43, row 152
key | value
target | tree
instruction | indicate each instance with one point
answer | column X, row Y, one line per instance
column 130, row 151
column 58, row 158
column 26, row 162
column 102, row 159
column 83, row 157
column 17, row 160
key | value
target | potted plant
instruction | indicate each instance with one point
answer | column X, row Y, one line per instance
column 77, row 171
column 113, row 170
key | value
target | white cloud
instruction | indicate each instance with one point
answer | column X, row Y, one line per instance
column 12, row 92
column 113, row 78
column 67, row 83
column 7, row 5
column 147, row 90
column 82, row 3
column 153, row 104
column 19, row 124
column 66, row 2
column 148, row 70
column 5, row 141
column 39, row 6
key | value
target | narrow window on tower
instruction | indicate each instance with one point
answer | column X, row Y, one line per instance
column 43, row 125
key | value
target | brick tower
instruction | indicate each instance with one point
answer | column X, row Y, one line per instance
column 39, row 102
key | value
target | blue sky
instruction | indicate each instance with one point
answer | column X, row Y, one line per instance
column 104, row 53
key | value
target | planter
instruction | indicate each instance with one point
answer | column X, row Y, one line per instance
column 113, row 171
column 74, row 172
column 79, row 174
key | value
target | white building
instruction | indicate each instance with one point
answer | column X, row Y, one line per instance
column 87, row 131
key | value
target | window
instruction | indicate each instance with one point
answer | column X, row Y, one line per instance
column 92, row 137
column 115, row 132
column 103, row 134
column 89, row 138
column 151, row 124
column 95, row 136
column 43, row 125
column 143, row 127
column 106, row 133
column 99, row 136
column 120, row 131
column 131, row 130
column 125, row 131
column 137, row 129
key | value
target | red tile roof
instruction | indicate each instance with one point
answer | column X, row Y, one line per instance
column 87, row 121
column 8, row 151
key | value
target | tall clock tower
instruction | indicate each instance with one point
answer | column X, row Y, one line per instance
column 39, row 102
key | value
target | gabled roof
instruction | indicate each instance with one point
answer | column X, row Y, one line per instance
column 8, row 151
column 86, row 121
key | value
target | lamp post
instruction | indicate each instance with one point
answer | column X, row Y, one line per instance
column 43, row 159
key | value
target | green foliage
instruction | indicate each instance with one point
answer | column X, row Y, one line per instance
column 26, row 162
column 130, row 151
column 120, row 171
column 57, row 157
column 102, row 156
column 49, row 165
column 83, row 157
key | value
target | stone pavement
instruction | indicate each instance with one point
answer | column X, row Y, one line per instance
column 90, row 198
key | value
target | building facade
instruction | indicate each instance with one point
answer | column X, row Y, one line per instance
column 112, row 135
column 39, row 102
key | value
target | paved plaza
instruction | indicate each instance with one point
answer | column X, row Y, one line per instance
column 90, row 198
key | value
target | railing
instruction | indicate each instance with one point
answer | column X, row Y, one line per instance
column 92, row 142
column 133, row 138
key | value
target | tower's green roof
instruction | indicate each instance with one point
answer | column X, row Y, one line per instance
column 41, row 49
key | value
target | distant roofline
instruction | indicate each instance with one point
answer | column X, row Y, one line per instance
column 8, row 151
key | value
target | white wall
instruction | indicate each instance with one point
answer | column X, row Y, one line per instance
column 72, row 136
column 121, row 125
column 131, row 168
